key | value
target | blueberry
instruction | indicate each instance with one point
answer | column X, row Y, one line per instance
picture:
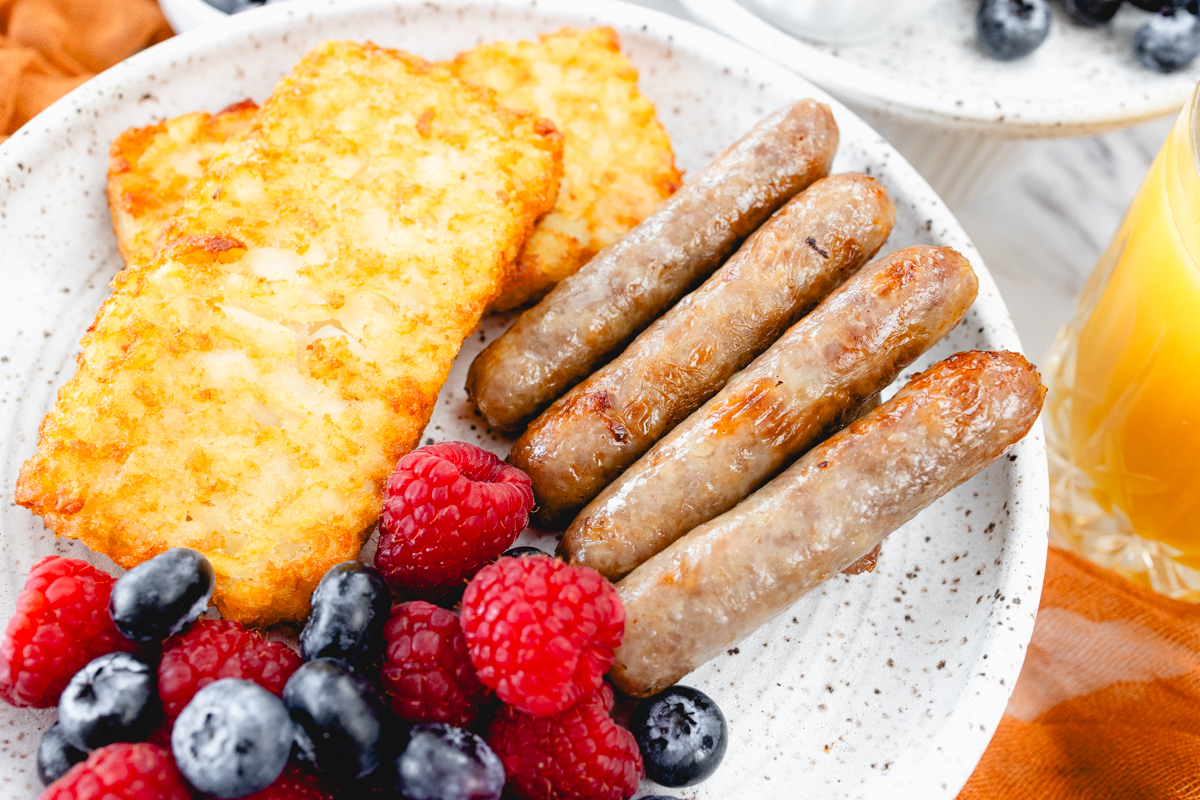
column 441, row 762
column 1093, row 12
column 232, row 739
column 349, row 609
column 682, row 736
column 1168, row 42
column 1157, row 5
column 56, row 755
column 160, row 597
column 114, row 698
column 522, row 552
column 1010, row 29
column 339, row 718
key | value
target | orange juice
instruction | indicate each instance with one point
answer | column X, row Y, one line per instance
column 1123, row 415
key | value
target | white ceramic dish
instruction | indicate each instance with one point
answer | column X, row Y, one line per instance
column 842, row 22
column 953, row 112
column 883, row 685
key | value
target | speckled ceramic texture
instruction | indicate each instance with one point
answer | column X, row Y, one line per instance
column 1081, row 81
column 885, row 685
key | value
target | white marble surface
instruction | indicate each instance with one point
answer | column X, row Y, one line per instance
column 1043, row 226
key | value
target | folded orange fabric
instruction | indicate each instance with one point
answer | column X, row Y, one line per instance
column 48, row 47
column 1108, row 702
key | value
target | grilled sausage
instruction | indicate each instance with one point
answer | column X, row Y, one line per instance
column 806, row 386
column 594, row 313
column 724, row 579
column 801, row 254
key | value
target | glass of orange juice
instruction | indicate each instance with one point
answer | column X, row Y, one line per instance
column 1123, row 413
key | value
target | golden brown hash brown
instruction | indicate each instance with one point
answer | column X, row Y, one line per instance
column 151, row 169
column 248, row 390
column 617, row 161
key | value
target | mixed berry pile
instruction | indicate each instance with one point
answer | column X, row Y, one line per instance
column 386, row 698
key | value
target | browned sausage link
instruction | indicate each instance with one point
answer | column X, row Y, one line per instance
column 800, row 255
column 806, row 386
column 593, row 314
column 726, row 578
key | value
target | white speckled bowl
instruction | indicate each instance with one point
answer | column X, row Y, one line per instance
column 841, row 22
column 955, row 113
column 882, row 685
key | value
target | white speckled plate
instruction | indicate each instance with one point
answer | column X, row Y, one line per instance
column 883, row 685
column 1081, row 81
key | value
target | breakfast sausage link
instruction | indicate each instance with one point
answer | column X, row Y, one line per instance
column 810, row 246
column 591, row 315
column 806, row 386
column 716, row 585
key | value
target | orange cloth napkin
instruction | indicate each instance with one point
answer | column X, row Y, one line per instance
column 1108, row 702
column 48, row 47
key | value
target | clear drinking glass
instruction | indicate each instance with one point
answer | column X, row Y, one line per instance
column 1123, row 412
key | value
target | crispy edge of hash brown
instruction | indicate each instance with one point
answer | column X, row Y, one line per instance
column 151, row 168
column 115, row 410
column 617, row 159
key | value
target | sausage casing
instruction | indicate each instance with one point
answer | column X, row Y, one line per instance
column 592, row 314
column 723, row 580
column 806, row 386
column 801, row 254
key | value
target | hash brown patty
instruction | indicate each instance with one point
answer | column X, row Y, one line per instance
column 247, row 391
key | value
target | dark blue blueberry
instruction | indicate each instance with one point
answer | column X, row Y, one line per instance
column 1168, row 42
column 1093, row 12
column 160, row 597
column 522, row 552
column 1011, row 29
column 349, row 609
column 441, row 762
column 56, row 755
column 682, row 735
column 114, row 698
column 1157, row 5
column 228, row 6
column 339, row 719
column 232, row 739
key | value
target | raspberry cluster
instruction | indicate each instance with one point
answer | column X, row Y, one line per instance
column 525, row 661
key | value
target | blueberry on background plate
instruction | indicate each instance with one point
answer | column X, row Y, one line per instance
column 1011, row 29
column 160, row 597
column 56, row 755
column 1157, row 5
column 114, row 698
column 682, row 735
column 339, row 719
column 232, row 739
column 441, row 762
column 350, row 608
column 522, row 552
column 1092, row 12
column 1168, row 42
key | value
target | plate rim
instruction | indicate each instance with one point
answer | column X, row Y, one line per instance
column 952, row 753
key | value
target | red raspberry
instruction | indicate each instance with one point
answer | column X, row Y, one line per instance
column 212, row 649
column 449, row 509
column 294, row 784
column 125, row 772
column 580, row 754
column 541, row 633
column 61, row 623
column 427, row 675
